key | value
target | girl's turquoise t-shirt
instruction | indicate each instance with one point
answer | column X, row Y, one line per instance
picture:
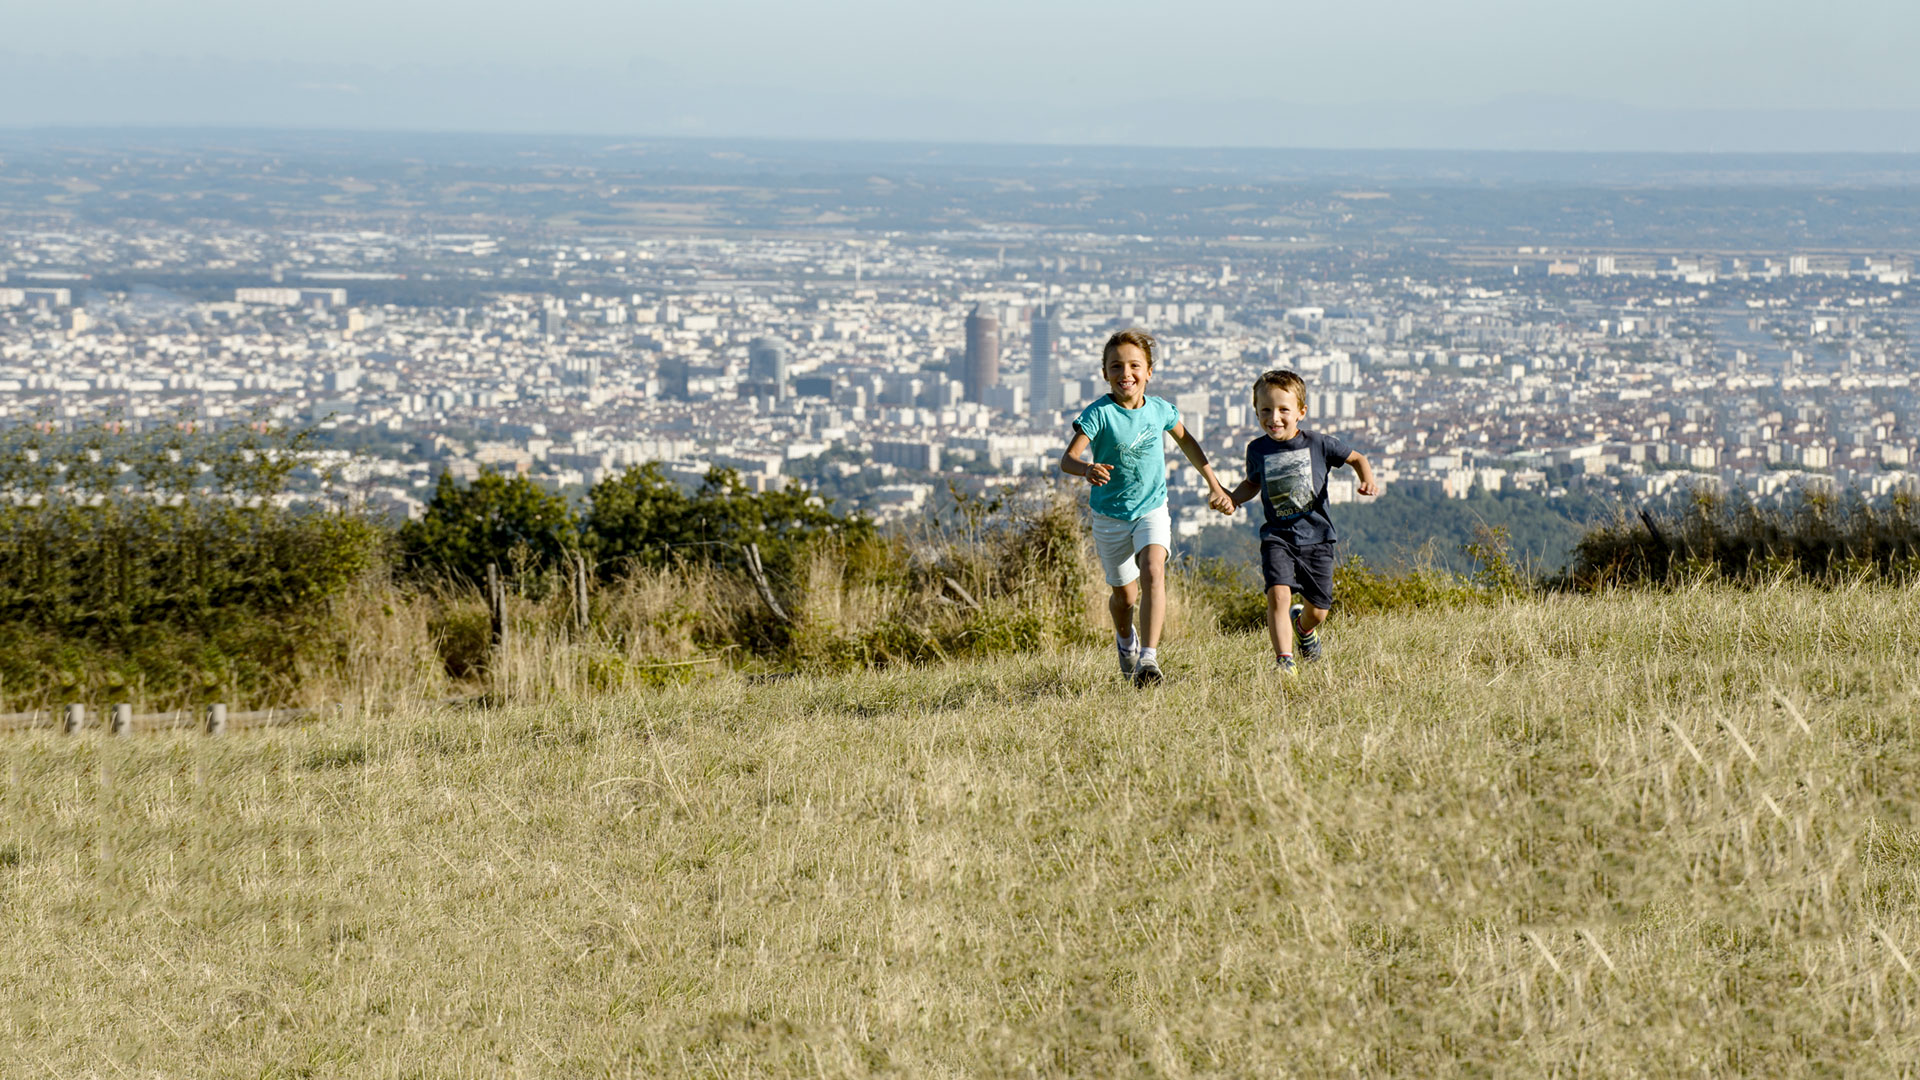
column 1129, row 440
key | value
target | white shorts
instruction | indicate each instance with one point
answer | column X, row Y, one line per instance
column 1118, row 541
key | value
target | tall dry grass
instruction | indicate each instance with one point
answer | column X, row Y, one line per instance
column 1024, row 582
column 1818, row 536
column 1618, row 835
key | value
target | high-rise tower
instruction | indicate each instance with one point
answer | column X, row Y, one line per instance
column 767, row 367
column 1043, row 375
column 982, row 369
column 674, row 379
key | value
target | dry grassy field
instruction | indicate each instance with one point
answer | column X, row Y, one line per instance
column 1616, row 836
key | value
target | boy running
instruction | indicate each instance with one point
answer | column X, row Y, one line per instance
column 1128, row 471
column 1287, row 468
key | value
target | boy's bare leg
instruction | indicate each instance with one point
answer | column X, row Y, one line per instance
column 1152, row 561
column 1120, row 605
column 1280, row 619
column 1311, row 617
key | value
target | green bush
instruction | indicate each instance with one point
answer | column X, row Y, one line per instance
column 165, row 564
column 512, row 523
column 1359, row 589
column 105, row 569
column 1239, row 604
column 642, row 517
column 989, row 577
column 1494, row 568
column 463, row 636
column 1001, row 630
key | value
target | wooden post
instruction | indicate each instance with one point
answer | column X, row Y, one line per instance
column 76, row 719
column 496, row 605
column 122, row 719
column 965, row 596
column 217, row 718
column 760, row 583
column 580, row 610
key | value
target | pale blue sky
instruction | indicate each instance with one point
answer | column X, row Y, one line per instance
column 1024, row 70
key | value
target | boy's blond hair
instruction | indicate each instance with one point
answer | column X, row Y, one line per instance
column 1284, row 380
column 1135, row 337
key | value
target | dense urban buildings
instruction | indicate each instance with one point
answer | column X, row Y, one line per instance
column 879, row 366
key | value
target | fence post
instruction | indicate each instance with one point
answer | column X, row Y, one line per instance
column 760, row 583
column 217, row 718
column 122, row 719
column 496, row 605
column 76, row 719
column 580, row 612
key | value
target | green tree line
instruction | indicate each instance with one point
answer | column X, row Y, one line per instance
column 173, row 563
column 637, row 517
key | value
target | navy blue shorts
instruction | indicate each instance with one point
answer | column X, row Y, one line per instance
column 1307, row 570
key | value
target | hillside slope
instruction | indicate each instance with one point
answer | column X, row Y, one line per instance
column 1624, row 836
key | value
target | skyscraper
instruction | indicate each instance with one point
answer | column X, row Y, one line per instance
column 1043, row 376
column 767, row 368
column 674, row 379
column 580, row 371
column 982, row 368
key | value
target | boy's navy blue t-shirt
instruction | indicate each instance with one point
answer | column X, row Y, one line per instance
column 1293, row 485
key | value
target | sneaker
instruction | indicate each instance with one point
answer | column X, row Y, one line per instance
column 1147, row 675
column 1129, row 660
column 1309, row 642
column 1283, row 664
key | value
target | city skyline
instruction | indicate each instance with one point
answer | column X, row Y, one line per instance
column 882, row 325
column 871, row 369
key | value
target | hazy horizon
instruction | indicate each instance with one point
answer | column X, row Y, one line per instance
column 1508, row 125
column 46, row 151
column 1638, row 75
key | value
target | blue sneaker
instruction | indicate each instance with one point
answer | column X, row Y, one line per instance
column 1284, row 665
column 1309, row 642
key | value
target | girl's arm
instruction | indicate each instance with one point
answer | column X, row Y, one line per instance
column 1217, row 496
column 1073, row 464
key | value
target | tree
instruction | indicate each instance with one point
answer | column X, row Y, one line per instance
column 467, row 527
column 642, row 515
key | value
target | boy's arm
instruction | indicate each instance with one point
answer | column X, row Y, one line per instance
column 1217, row 496
column 1365, row 471
column 1248, row 491
column 1073, row 464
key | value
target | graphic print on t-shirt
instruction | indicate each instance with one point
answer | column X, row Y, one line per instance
column 1288, row 476
column 1141, row 446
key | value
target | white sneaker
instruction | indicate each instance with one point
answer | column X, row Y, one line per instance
column 1129, row 660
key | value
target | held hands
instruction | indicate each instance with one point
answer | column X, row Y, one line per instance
column 1369, row 488
column 1098, row 474
column 1219, row 500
